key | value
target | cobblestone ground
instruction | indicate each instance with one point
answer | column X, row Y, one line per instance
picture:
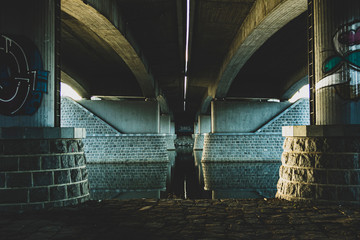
column 185, row 219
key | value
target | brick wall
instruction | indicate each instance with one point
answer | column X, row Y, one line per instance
column 122, row 162
column 297, row 114
column 74, row 115
column 249, row 160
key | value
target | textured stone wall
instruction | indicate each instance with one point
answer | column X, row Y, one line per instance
column 199, row 141
column 116, row 161
column 42, row 173
column 296, row 114
column 248, row 160
column 241, row 161
column 321, row 169
column 126, row 148
column 170, row 141
column 74, row 115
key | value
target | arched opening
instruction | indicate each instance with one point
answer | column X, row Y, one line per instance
column 303, row 92
column 67, row 91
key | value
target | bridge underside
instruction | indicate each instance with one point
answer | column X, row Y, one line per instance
column 157, row 31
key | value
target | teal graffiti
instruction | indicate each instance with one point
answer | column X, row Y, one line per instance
column 335, row 62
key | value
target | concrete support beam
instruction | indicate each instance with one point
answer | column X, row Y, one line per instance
column 165, row 124
column 204, row 123
column 172, row 127
column 241, row 117
column 107, row 31
column 127, row 116
column 265, row 19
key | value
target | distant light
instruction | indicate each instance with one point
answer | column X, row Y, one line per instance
column 67, row 91
column 187, row 33
column 303, row 92
column 94, row 98
column 185, row 86
column 186, row 48
column 273, row 100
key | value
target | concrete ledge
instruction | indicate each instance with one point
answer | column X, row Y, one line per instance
column 131, row 135
column 132, row 162
column 42, row 133
column 238, row 161
column 321, row 131
column 241, row 134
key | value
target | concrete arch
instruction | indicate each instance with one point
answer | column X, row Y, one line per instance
column 265, row 19
column 102, row 27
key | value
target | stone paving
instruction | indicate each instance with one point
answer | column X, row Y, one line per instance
column 185, row 219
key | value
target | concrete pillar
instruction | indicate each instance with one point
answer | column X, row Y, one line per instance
column 172, row 127
column 320, row 162
column 242, row 117
column 165, row 126
column 196, row 127
column 203, row 127
column 128, row 116
column 27, row 37
column 337, row 61
column 204, row 123
column 41, row 165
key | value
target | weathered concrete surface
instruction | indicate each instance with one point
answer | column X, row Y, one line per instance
column 165, row 124
column 106, row 30
column 204, row 123
column 265, row 18
column 127, row 116
column 240, row 117
column 15, row 22
column 186, row 219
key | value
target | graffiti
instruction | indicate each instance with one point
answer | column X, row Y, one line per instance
column 342, row 70
column 23, row 80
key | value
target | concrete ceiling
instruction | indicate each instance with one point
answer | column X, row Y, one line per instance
column 155, row 31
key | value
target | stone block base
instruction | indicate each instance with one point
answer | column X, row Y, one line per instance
column 320, row 165
column 128, row 163
column 236, row 162
column 42, row 168
column 128, row 176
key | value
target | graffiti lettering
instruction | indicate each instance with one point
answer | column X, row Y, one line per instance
column 22, row 78
column 342, row 70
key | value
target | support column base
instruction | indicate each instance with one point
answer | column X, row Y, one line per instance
column 320, row 163
column 42, row 168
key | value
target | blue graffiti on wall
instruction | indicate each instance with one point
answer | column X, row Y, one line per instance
column 23, row 81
